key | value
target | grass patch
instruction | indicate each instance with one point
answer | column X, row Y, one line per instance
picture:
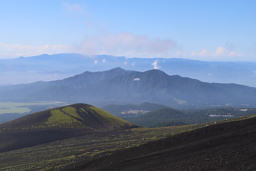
column 71, row 111
column 58, row 118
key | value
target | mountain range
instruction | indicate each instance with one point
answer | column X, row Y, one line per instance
column 119, row 86
column 58, row 66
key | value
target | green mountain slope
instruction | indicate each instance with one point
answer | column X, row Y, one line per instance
column 58, row 123
column 72, row 116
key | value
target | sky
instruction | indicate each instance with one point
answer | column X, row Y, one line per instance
column 193, row 29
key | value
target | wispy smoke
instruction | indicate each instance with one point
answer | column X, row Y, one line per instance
column 155, row 64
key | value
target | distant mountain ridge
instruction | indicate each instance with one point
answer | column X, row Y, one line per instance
column 58, row 66
column 119, row 86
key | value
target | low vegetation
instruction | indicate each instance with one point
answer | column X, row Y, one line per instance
column 58, row 119
column 69, row 152
column 71, row 136
column 227, row 145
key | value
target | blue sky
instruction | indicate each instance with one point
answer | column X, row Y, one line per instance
column 194, row 29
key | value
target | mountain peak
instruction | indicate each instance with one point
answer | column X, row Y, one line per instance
column 117, row 69
column 156, row 72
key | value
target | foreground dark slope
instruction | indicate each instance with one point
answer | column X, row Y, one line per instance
column 123, row 87
column 56, row 124
column 226, row 146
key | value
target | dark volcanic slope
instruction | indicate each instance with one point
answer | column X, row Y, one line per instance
column 227, row 146
column 58, row 123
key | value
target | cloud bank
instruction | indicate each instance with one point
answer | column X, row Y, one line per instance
column 221, row 53
column 127, row 44
column 121, row 44
column 8, row 50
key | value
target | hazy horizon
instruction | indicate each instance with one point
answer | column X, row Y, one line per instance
column 130, row 57
column 201, row 30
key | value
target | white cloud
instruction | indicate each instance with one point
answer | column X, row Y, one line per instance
column 127, row 44
column 15, row 50
column 203, row 52
column 220, row 51
column 77, row 8
column 232, row 53
column 155, row 64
